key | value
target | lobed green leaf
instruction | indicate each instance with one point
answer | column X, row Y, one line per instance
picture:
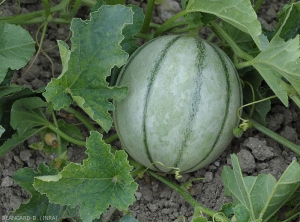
column 238, row 13
column 38, row 206
column 26, row 114
column 281, row 60
column 95, row 51
column 103, row 180
column 261, row 196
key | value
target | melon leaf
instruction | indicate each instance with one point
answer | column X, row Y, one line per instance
column 38, row 206
column 95, row 51
column 16, row 48
column 288, row 22
column 16, row 139
column 262, row 195
column 238, row 13
column 26, row 114
column 103, row 180
column 261, row 109
column 280, row 60
column 242, row 39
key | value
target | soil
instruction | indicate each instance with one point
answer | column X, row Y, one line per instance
column 155, row 201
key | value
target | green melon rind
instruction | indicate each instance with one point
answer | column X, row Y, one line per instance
column 144, row 154
column 152, row 77
column 228, row 92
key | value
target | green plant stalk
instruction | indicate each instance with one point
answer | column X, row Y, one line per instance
column 148, row 16
column 241, row 65
column 144, row 36
column 139, row 169
column 39, row 49
column 34, row 17
column 74, row 9
column 190, row 199
column 89, row 3
column 81, row 118
column 236, row 49
column 292, row 217
column 180, row 30
column 65, row 136
column 111, row 138
column 175, row 25
column 257, row 5
column 47, row 8
column 276, row 137
column 169, row 22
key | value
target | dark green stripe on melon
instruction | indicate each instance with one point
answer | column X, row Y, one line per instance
column 196, row 99
column 119, row 80
column 151, row 80
column 226, row 111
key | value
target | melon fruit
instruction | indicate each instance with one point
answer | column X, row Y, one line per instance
column 182, row 103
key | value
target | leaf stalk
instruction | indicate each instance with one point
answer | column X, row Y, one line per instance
column 81, row 118
column 148, row 16
column 169, row 23
column 65, row 136
column 236, row 49
column 276, row 137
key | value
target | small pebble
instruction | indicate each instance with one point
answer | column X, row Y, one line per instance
column 208, row 177
column 217, row 163
column 18, row 160
column 25, row 155
column 138, row 195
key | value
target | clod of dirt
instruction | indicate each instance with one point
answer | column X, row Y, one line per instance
column 259, row 148
column 168, row 8
column 7, row 182
column 246, row 160
column 290, row 134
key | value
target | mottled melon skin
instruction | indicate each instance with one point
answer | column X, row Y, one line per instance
column 182, row 103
